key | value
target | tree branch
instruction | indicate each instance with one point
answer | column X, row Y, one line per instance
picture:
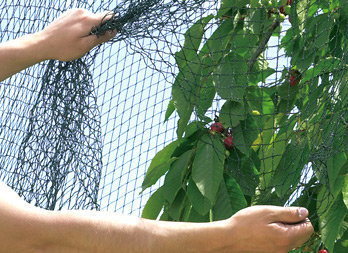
column 263, row 44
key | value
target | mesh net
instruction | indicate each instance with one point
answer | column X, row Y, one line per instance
column 82, row 134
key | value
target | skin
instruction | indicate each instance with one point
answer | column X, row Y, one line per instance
column 25, row 228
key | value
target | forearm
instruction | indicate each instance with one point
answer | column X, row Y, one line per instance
column 24, row 228
column 84, row 231
column 20, row 54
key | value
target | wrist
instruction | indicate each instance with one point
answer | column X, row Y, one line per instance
column 38, row 44
column 192, row 237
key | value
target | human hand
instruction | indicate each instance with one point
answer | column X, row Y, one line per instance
column 269, row 229
column 67, row 38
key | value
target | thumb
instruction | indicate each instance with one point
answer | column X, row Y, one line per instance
column 290, row 215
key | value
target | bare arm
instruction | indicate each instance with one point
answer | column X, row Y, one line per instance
column 24, row 228
column 67, row 38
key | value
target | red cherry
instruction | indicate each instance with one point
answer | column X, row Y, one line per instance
column 293, row 81
column 217, row 127
column 228, row 142
column 289, row 2
column 322, row 251
column 281, row 9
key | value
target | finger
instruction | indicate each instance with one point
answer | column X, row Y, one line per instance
column 288, row 214
column 94, row 40
column 104, row 16
column 299, row 233
column 99, row 18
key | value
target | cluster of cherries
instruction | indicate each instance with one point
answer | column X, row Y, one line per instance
column 219, row 128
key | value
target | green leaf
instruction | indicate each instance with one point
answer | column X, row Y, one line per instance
column 331, row 222
column 200, row 203
column 227, row 5
column 344, row 9
column 270, row 158
column 170, row 110
column 234, row 191
column 193, row 127
column 231, row 78
column 260, row 71
column 334, row 165
column 288, row 172
column 325, row 65
column 238, row 139
column 193, row 39
column 326, row 198
column 251, row 130
column 232, row 113
column 298, row 14
column 259, row 100
column 215, row 47
column 244, row 42
column 243, row 169
column 188, row 142
column 173, row 181
column 230, row 199
column 207, row 168
column 258, row 20
column 267, row 132
column 223, row 206
column 184, row 94
column 159, row 165
column 341, row 245
column 194, row 216
column 206, row 96
column 233, row 3
column 324, row 24
column 186, row 85
column 176, row 208
column 154, row 205
column 335, row 41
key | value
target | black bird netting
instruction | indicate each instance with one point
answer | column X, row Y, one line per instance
column 207, row 106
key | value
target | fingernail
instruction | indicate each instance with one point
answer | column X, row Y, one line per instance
column 303, row 212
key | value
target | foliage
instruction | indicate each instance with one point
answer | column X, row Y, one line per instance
column 279, row 129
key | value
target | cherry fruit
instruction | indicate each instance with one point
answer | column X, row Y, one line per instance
column 293, row 81
column 281, row 9
column 322, row 251
column 228, row 142
column 217, row 127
